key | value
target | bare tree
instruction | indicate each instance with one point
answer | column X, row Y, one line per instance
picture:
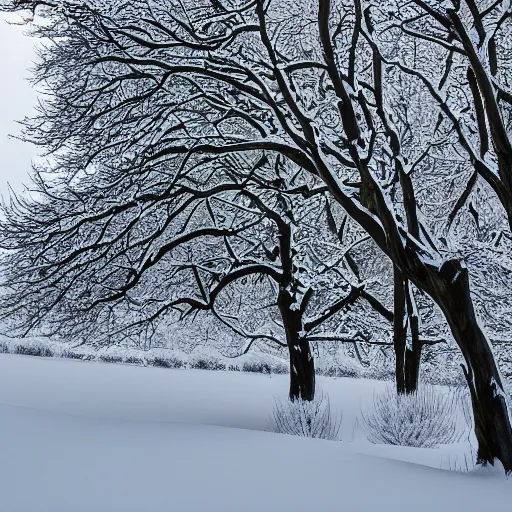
column 101, row 262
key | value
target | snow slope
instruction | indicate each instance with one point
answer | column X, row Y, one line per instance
column 230, row 399
column 100, row 437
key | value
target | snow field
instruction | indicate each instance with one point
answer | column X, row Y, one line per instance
column 78, row 436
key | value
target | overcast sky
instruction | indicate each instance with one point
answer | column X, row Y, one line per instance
column 17, row 99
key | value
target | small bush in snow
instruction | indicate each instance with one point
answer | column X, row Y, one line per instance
column 33, row 350
column 167, row 362
column 338, row 371
column 70, row 354
column 109, row 358
column 280, row 369
column 134, row 360
column 256, row 367
column 204, row 364
column 4, row 349
column 306, row 419
column 425, row 419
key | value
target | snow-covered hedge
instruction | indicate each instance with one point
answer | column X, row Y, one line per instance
column 441, row 368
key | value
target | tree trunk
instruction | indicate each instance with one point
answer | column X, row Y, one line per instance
column 302, row 365
column 412, row 352
column 407, row 359
column 399, row 330
column 302, row 371
column 449, row 287
column 412, row 368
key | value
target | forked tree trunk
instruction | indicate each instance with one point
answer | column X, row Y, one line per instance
column 449, row 287
column 302, row 365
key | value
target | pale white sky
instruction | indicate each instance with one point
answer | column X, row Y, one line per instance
column 17, row 99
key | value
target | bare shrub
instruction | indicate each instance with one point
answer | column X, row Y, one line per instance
column 256, row 367
column 338, row 371
column 306, row 419
column 265, row 367
column 167, row 362
column 280, row 369
column 33, row 350
column 425, row 419
column 134, row 360
column 205, row 364
column 71, row 354
column 109, row 358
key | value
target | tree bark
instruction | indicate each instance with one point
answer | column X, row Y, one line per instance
column 302, row 365
column 407, row 358
column 302, row 371
column 449, row 287
column 399, row 329
column 412, row 352
column 412, row 368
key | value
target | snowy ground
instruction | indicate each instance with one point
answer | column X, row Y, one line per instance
column 78, row 436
